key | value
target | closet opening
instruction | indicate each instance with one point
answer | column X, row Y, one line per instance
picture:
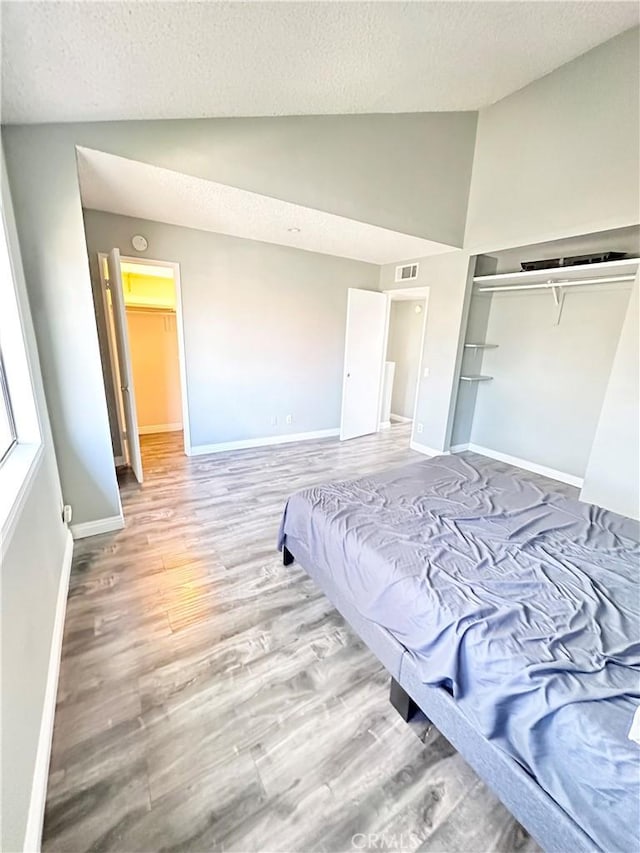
column 142, row 310
column 543, row 328
column 383, row 362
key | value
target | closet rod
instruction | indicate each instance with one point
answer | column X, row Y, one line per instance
column 549, row 285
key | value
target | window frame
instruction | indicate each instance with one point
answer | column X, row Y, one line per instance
column 21, row 461
column 4, row 394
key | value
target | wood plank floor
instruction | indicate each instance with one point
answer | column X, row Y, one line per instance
column 211, row 699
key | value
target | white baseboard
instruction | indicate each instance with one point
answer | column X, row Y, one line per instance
column 35, row 817
column 400, row 419
column 552, row 473
column 94, row 528
column 459, row 448
column 428, row 451
column 384, row 425
column 149, row 430
column 267, row 441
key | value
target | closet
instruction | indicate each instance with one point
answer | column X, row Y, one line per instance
column 153, row 341
column 538, row 351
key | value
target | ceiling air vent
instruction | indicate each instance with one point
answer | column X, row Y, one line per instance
column 407, row 272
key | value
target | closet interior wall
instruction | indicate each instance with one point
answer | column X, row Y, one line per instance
column 548, row 376
column 153, row 341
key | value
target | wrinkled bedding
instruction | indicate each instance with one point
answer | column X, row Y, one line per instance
column 521, row 600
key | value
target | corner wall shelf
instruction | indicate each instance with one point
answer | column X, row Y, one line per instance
column 475, row 378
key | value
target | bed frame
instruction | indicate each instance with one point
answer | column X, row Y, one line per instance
column 540, row 815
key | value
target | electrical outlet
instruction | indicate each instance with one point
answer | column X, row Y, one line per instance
column 274, row 420
column 289, row 419
column 419, row 430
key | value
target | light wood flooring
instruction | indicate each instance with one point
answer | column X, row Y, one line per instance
column 211, row 699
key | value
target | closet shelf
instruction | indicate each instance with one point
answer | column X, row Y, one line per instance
column 627, row 266
column 477, row 377
column 481, row 346
column 144, row 306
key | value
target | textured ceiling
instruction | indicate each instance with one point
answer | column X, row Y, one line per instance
column 128, row 187
column 82, row 61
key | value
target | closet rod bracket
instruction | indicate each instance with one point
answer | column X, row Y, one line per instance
column 558, row 298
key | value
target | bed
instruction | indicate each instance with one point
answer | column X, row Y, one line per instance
column 509, row 612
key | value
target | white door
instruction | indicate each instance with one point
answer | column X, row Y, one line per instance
column 364, row 354
column 124, row 363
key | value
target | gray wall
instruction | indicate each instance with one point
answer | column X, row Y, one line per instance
column 471, row 363
column 31, row 564
column 44, row 186
column 377, row 169
column 613, row 472
column 549, row 381
column 264, row 326
column 448, row 278
column 405, row 339
column 560, row 156
column 373, row 168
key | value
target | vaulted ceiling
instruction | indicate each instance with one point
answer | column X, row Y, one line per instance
column 130, row 188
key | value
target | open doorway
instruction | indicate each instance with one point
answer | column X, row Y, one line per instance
column 375, row 334
column 142, row 309
column 403, row 358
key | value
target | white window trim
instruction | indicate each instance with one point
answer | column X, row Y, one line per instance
column 16, row 475
column 25, row 457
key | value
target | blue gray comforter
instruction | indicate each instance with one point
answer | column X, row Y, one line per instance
column 523, row 601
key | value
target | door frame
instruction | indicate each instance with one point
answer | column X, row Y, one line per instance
column 408, row 294
column 175, row 267
column 113, row 359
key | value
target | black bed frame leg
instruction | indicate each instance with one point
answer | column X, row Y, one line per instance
column 401, row 701
column 287, row 556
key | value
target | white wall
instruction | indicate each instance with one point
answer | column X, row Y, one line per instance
column 31, row 570
column 448, row 279
column 560, row 157
column 264, row 326
column 613, row 472
column 405, row 339
column 377, row 169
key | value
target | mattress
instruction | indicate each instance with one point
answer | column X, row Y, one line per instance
column 516, row 597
